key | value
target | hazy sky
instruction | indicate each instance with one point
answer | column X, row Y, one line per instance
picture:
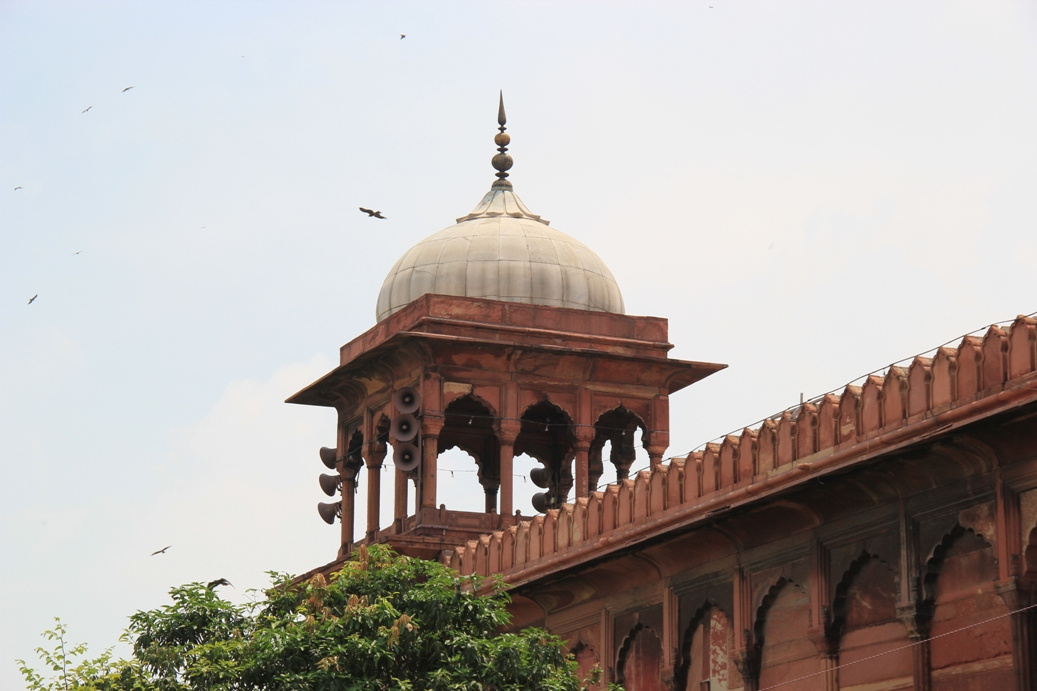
column 808, row 191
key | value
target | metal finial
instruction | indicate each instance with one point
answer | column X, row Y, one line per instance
column 502, row 161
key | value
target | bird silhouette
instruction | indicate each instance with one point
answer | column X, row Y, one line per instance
column 17, row 188
column 33, row 298
column 403, row 36
column 127, row 89
column 376, row 214
column 211, row 585
column 88, row 108
column 161, row 551
column 77, row 252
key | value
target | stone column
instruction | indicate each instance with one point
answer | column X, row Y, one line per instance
column 430, row 429
column 917, row 617
column 655, row 454
column 1017, row 599
column 374, row 455
column 509, row 431
column 746, row 654
column 348, row 500
column 657, row 440
column 584, row 436
column 400, row 501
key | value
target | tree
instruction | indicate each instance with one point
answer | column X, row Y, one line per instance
column 384, row 621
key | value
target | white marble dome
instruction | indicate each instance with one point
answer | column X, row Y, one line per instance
column 501, row 251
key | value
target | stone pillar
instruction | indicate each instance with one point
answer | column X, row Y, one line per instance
column 348, row 500
column 430, row 429
column 374, row 455
column 917, row 618
column 400, row 501
column 584, row 436
column 1018, row 599
column 655, row 454
column 657, row 440
column 509, row 431
column 746, row 654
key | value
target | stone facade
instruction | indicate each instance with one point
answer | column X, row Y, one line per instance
column 883, row 538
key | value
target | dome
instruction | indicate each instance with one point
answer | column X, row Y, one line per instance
column 502, row 251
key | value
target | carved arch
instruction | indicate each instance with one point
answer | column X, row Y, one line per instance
column 683, row 663
column 618, row 427
column 546, row 435
column 835, row 619
column 933, row 567
column 629, row 652
column 469, row 424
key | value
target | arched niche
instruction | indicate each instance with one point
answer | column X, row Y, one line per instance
column 546, row 435
column 619, row 430
column 639, row 665
column 970, row 634
column 864, row 623
column 469, row 452
column 780, row 636
column 706, row 644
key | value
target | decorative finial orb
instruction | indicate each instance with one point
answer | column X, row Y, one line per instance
column 502, row 251
column 501, row 161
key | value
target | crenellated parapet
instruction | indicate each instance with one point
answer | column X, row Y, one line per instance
column 956, row 386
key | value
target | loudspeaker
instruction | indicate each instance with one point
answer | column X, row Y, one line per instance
column 539, row 477
column 540, row 501
column 330, row 483
column 404, row 427
column 407, row 400
column 329, row 512
column 406, row 456
column 328, row 456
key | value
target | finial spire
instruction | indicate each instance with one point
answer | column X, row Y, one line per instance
column 502, row 161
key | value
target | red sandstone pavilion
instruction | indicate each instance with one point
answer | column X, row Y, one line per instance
column 882, row 538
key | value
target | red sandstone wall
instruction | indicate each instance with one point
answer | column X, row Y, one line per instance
column 883, row 411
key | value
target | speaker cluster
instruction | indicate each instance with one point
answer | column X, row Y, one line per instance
column 330, row 484
column 406, row 429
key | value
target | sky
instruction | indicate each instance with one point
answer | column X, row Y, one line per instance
column 807, row 191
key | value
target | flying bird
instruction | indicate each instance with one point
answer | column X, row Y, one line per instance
column 403, row 36
column 88, row 108
column 161, row 551
column 33, row 298
column 219, row 581
column 127, row 89
column 376, row 214
column 17, row 188
column 76, row 252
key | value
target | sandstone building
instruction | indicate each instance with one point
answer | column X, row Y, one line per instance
column 881, row 538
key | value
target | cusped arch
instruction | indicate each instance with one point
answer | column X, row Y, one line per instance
column 835, row 623
column 934, row 564
column 618, row 427
column 760, row 620
column 546, row 435
column 639, row 663
column 683, row 663
column 467, row 421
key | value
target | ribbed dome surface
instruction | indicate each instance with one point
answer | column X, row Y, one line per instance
column 501, row 251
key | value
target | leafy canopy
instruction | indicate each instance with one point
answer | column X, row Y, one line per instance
column 384, row 621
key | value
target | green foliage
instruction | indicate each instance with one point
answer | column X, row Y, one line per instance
column 69, row 667
column 383, row 622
